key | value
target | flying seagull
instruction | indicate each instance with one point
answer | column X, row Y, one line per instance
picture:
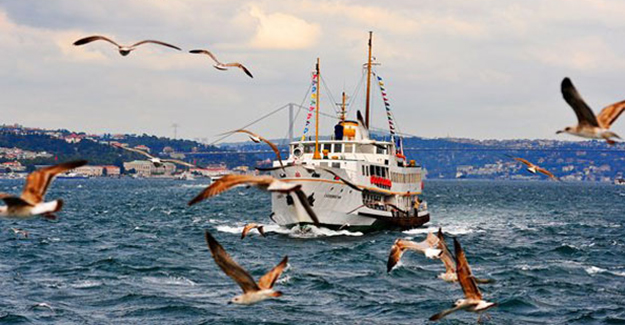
column 426, row 247
column 30, row 203
column 257, row 139
column 251, row 226
column 449, row 262
column 123, row 50
column 158, row 162
column 223, row 66
column 252, row 292
column 265, row 182
column 532, row 168
column 589, row 125
column 473, row 297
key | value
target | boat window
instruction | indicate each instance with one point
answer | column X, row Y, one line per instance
column 338, row 148
column 349, row 148
column 336, row 165
column 323, row 164
column 365, row 148
column 372, row 170
column 327, row 146
column 308, row 148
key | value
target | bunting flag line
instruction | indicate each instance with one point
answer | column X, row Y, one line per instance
column 313, row 105
column 389, row 115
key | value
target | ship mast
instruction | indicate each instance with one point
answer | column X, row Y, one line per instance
column 316, row 155
column 368, row 81
column 343, row 108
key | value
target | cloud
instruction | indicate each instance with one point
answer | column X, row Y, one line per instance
column 283, row 31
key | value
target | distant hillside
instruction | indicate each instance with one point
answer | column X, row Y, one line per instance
column 444, row 158
column 96, row 152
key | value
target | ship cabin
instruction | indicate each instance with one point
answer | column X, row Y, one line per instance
column 375, row 165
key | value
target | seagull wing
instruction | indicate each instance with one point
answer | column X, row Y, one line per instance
column 346, row 182
column 229, row 266
column 156, row 42
column 11, row 200
column 446, row 257
column 37, row 182
column 275, row 150
column 394, row 255
column 141, row 152
column 546, row 172
column 90, row 39
column 179, row 162
column 246, row 229
column 271, row 144
column 572, row 97
column 229, row 181
column 268, row 280
column 304, row 201
column 210, row 54
column 432, row 240
column 610, row 113
column 466, row 279
column 451, row 310
column 524, row 161
column 240, row 66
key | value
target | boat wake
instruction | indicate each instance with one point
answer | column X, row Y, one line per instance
column 295, row 232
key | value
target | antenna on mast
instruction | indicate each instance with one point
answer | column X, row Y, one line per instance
column 368, row 81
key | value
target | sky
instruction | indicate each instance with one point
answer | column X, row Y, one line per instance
column 484, row 69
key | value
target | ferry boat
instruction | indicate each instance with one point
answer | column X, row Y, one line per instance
column 352, row 181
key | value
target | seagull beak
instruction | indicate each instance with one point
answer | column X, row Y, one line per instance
column 229, row 302
column 558, row 132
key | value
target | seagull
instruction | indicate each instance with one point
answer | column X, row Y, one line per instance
column 158, row 162
column 223, row 66
column 252, row 292
column 589, row 125
column 449, row 262
column 250, row 226
column 257, row 139
column 265, row 182
column 473, row 301
column 426, row 247
column 532, row 168
column 30, row 203
column 123, row 50
column 20, row 232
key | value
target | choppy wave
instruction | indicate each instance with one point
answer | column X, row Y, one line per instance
column 555, row 250
column 597, row 270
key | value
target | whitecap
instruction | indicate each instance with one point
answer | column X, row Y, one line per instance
column 86, row 284
column 312, row 232
column 171, row 280
column 595, row 270
column 454, row 230
column 194, row 185
column 229, row 229
column 283, row 280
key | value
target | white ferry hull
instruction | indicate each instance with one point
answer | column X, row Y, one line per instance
column 336, row 205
